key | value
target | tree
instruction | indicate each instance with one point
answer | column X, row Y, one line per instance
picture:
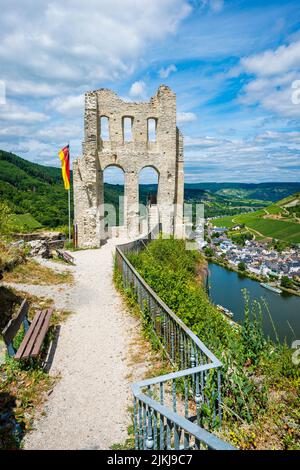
column 242, row 266
column 286, row 282
column 209, row 252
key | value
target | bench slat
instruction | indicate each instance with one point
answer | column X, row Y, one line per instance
column 14, row 324
column 27, row 336
column 42, row 333
column 30, row 345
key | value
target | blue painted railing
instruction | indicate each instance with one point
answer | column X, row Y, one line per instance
column 181, row 409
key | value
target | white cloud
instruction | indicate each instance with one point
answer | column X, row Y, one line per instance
column 273, row 62
column 68, row 42
column 138, row 90
column 34, row 89
column 18, row 113
column 186, row 117
column 52, row 52
column 68, row 105
column 275, row 72
column 202, row 141
column 215, row 159
column 60, row 132
column 164, row 73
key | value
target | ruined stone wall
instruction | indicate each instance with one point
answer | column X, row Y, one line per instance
column 165, row 155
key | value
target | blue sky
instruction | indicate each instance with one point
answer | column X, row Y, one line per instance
column 232, row 63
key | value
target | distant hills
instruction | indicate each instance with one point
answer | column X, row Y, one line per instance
column 255, row 191
column 36, row 194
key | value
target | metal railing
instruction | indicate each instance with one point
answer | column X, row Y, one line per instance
column 178, row 410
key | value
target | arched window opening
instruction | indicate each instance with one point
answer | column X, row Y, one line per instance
column 113, row 177
column 104, row 128
column 152, row 126
column 127, row 129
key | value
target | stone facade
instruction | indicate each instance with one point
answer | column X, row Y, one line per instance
column 165, row 155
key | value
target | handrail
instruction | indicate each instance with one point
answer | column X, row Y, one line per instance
column 171, row 411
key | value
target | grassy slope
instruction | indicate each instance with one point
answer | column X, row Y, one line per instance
column 286, row 230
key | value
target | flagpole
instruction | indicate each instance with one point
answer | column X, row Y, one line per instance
column 69, row 201
column 69, row 198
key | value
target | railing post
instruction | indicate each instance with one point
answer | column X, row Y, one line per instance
column 149, row 441
column 219, row 396
column 135, row 423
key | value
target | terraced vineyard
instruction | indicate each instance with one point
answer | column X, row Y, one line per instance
column 277, row 221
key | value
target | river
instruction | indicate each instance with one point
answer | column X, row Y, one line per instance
column 225, row 288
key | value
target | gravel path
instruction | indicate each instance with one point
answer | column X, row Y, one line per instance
column 88, row 408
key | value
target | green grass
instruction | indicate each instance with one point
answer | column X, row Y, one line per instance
column 224, row 222
column 279, row 229
column 285, row 230
column 25, row 221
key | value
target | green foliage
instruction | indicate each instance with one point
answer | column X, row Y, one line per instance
column 286, row 282
column 25, row 222
column 7, row 223
column 242, row 266
column 240, row 238
column 245, row 353
column 252, row 335
column 33, row 189
column 209, row 252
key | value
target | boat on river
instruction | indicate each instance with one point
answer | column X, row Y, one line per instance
column 224, row 310
column 271, row 288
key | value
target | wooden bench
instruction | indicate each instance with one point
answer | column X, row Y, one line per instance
column 35, row 332
column 65, row 256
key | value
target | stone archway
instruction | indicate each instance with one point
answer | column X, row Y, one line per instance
column 148, row 198
column 153, row 140
column 113, row 199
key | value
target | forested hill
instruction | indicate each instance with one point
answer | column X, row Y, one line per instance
column 37, row 192
column 34, row 189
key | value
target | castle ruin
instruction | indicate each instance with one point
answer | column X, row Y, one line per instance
column 164, row 153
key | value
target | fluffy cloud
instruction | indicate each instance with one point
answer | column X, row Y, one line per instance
column 72, row 42
column 186, row 117
column 274, row 72
column 274, row 62
column 32, row 89
column 52, row 52
column 138, row 90
column 213, row 159
column 18, row 113
column 68, row 105
column 165, row 72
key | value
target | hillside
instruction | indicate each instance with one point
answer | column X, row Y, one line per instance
column 270, row 192
column 33, row 189
column 280, row 220
column 36, row 194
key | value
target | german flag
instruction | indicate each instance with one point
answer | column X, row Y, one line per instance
column 64, row 156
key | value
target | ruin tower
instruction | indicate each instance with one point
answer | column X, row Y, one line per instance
column 164, row 153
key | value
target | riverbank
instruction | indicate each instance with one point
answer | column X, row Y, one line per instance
column 247, row 274
column 279, row 312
